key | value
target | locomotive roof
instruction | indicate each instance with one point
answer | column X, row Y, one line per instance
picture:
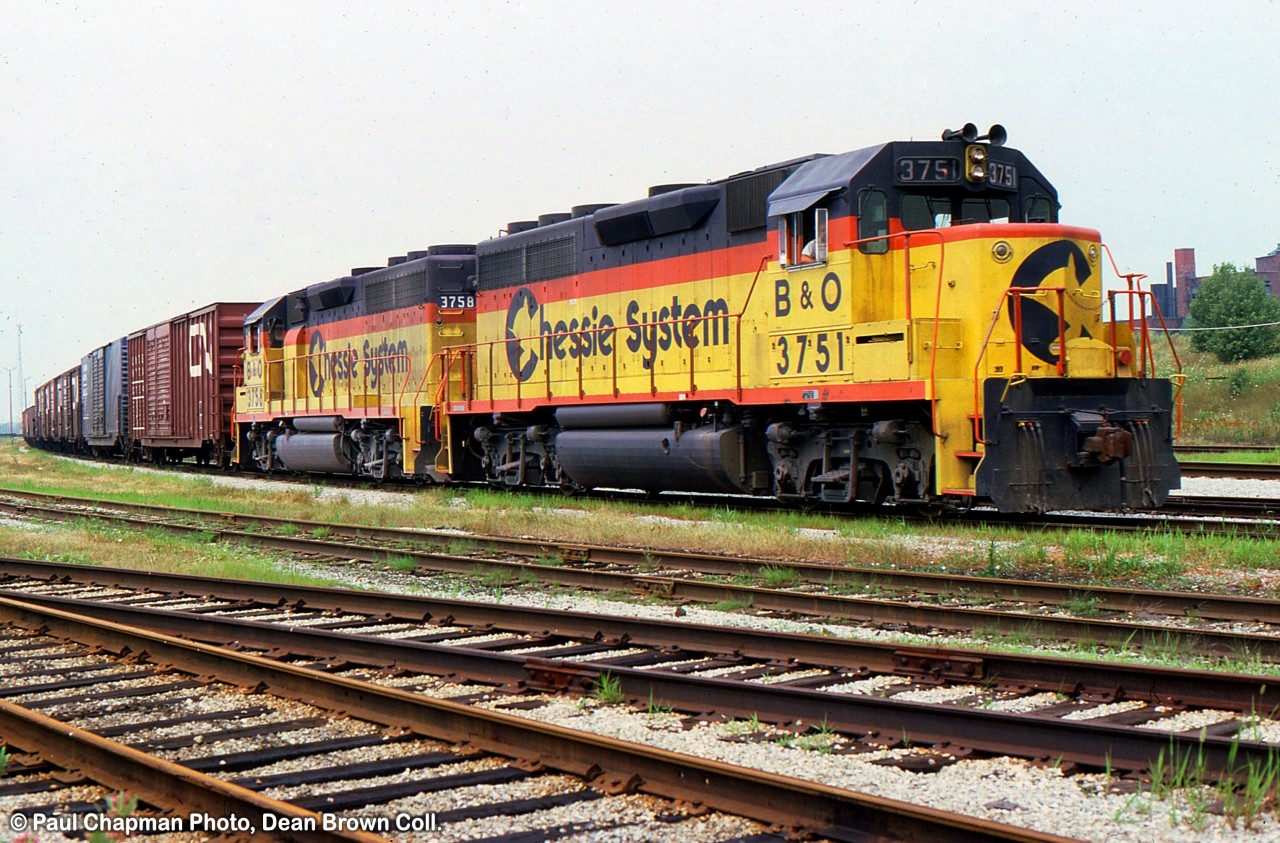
column 816, row 178
column 262, row 309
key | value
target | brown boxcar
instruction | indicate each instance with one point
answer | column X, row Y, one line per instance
column 67, row 420
column 42, row 415
column 29, row 426
column 182, row 375
column 56, row 413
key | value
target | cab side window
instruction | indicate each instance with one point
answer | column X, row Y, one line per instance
column 873, row 221
column 802, row 237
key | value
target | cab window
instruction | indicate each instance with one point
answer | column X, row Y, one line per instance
column 921, row 212
column 1038, row 209
column 983, row 210
column 873, row 221
column 802, row 237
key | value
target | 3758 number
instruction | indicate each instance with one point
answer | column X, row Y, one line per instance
column 800, row 354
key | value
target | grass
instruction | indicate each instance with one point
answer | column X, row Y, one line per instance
column 1182, row 780
column 608, row 690
column 733, row 604
column 1227, row 403
column 654, row 707
column 750, row 726
column 397, row 562
column 88, row 542
column 820, row 738
column 1153, row 559
column 4, row 759
column 779, row 576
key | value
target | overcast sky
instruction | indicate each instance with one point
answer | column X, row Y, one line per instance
column 155, row 157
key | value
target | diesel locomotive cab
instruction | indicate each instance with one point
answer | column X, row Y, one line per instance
column 958, row 278
column 345, row 376
column 905, row 323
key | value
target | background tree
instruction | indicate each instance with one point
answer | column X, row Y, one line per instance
column 1234, row 297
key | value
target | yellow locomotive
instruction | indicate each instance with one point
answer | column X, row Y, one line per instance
column 906, row 323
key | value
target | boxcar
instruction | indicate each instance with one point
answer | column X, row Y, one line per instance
column 181, row 378
column 57, row 412
column 104, row 399
column 29, row 426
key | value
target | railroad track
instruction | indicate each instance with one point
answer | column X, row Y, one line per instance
column 1242, row 471
column 434, row 752
column 1195, row 513
column 1224, row 449
column 865, row 690
column 1217, row 626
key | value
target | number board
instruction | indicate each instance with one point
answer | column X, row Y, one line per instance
column 453, row 301
column 917, row 169
column 1002, row 175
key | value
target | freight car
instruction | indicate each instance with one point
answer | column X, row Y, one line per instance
column 104, row 399
column 29, row 426
column 908, row 322
column 181, row 384
column 56, row 422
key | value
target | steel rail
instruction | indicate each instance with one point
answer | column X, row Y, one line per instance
column 1085, row 743
column 1249, row 471
column 1240, row 692
column 1222, row 449
column 155, row 781
column 1097, row 745
column 1191, row 604
column 1204, row 506
column 616, row 765
column 1120, row 634
column 1188, row 520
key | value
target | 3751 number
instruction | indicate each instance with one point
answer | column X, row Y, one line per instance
column 800, row 354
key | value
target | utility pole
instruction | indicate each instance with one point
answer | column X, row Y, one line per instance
column 22, row 382
column 10, row 369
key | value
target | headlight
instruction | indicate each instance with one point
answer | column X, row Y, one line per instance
column 975, row 163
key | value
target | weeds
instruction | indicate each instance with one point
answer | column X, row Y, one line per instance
column 655, row 708
column 779, row 576
column 398, row 562
column 1084, row 606
column 1182, row 779
column 608, row 690
column 820, row 739
column 119, row 806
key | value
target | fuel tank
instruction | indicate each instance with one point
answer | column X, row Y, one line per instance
column 656, row 459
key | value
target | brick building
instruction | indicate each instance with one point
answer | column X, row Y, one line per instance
column 1268, row 269
column 1181, row 282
